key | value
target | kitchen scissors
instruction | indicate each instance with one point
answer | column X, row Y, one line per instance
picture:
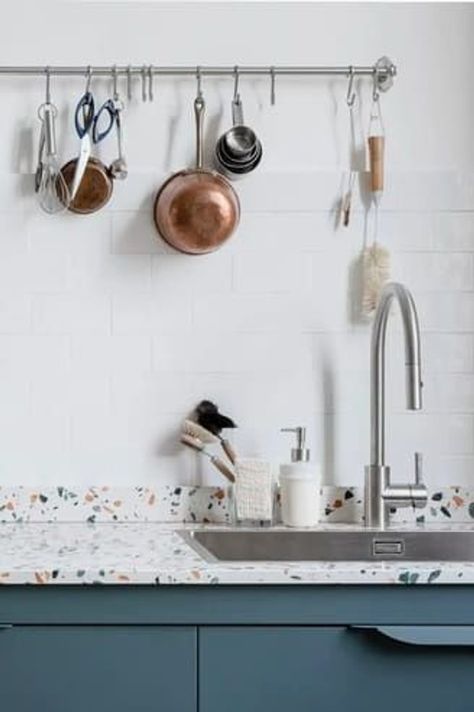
column 88, row 127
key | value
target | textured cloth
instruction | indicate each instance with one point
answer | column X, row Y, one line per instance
column 254, row 489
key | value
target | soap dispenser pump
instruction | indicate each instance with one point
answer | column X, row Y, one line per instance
column 300, row 484
column 300, row 453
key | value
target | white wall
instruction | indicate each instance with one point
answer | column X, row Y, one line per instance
column 107, row 337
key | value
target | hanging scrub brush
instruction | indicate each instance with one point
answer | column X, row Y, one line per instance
column 375, row 257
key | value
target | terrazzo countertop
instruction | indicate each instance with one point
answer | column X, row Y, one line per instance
column 154, row 553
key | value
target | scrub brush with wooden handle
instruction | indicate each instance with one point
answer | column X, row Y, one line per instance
column 375, row 257
column 208, row 417
column 197, row 445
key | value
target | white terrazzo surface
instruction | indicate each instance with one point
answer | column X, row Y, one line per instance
column 153, row 553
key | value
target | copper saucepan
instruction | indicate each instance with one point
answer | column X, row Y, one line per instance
column 95, row 189
column 196, row 210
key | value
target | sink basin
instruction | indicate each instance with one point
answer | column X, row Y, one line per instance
column 314, row 545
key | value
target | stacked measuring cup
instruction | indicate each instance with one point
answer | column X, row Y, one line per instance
column 238, row 150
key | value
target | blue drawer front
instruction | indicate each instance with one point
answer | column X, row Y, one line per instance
column 334, row 669
column 97, row 669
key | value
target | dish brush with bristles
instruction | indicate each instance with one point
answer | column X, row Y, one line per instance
column 209, row 417
column 197, row 445
column 376, row 273
column 375, row 257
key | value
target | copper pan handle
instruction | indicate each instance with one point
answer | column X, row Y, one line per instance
column 199, row 107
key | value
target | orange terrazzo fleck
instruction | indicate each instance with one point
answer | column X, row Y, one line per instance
column 458, row 501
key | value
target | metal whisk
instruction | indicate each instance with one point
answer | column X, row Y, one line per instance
column 52, row 189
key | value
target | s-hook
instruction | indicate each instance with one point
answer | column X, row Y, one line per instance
column 129, row 82
column 144, row 78
column 236, row 84
column 375, row 85
column 47, row 71
column 88, row 79
column 199, row 82
column 151, row 95
column 351, row 95
column 272, row 86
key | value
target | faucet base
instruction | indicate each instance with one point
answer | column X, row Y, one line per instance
column 377, row 478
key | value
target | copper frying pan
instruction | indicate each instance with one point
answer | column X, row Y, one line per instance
column 196, row 210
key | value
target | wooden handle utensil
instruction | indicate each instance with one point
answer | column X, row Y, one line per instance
column 376, row 155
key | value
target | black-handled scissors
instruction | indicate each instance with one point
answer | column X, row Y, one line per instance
column 85, row 114
column 87, row 124
column 109, row 112
column 86, row 119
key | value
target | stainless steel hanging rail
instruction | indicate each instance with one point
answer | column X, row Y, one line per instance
column 384, row 69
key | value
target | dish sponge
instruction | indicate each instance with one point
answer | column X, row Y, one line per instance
column 254, row 489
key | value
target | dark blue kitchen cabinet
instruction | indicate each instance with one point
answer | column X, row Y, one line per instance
column 236, row 648
column 97, row 669
column 336, row 669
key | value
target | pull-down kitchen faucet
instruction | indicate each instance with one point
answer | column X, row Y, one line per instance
column 380, row 494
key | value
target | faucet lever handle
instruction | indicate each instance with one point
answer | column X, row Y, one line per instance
column 418, row 468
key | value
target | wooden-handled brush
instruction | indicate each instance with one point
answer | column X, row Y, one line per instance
column 376, row 162
column 375, row 257
column 188, row 439
column 209, row 418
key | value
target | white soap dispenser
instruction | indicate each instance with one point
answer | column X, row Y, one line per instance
column 300, row 485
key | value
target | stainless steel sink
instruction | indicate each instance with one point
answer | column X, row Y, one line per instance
column 312, row 545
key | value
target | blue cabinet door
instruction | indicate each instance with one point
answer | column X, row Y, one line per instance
column 97, row 669
column 335, row 669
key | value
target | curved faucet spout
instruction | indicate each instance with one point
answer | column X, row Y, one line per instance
column 411, row 330
column 380, row 494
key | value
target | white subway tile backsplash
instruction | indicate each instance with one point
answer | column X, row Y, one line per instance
column 435, row 272
column 111, row 273
column 454, row 231
column 441, row 434
column 286, row 314
column 14, row 236
column 70, row 234
column 64, row 314
column 108, row 337
column 441, row 469
column 285, row 233
column 176, row 275
column 73, row 393
column 450, row 393
column 449, row 311
column 407, row 232
column 447, row 353
column 260, row 272
column 151, row 395
column 148, row 313
column 138, row 192
column 106, row 354
column 27, row 354
column 135, row 233
column 15, row 313
column 202, row 351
